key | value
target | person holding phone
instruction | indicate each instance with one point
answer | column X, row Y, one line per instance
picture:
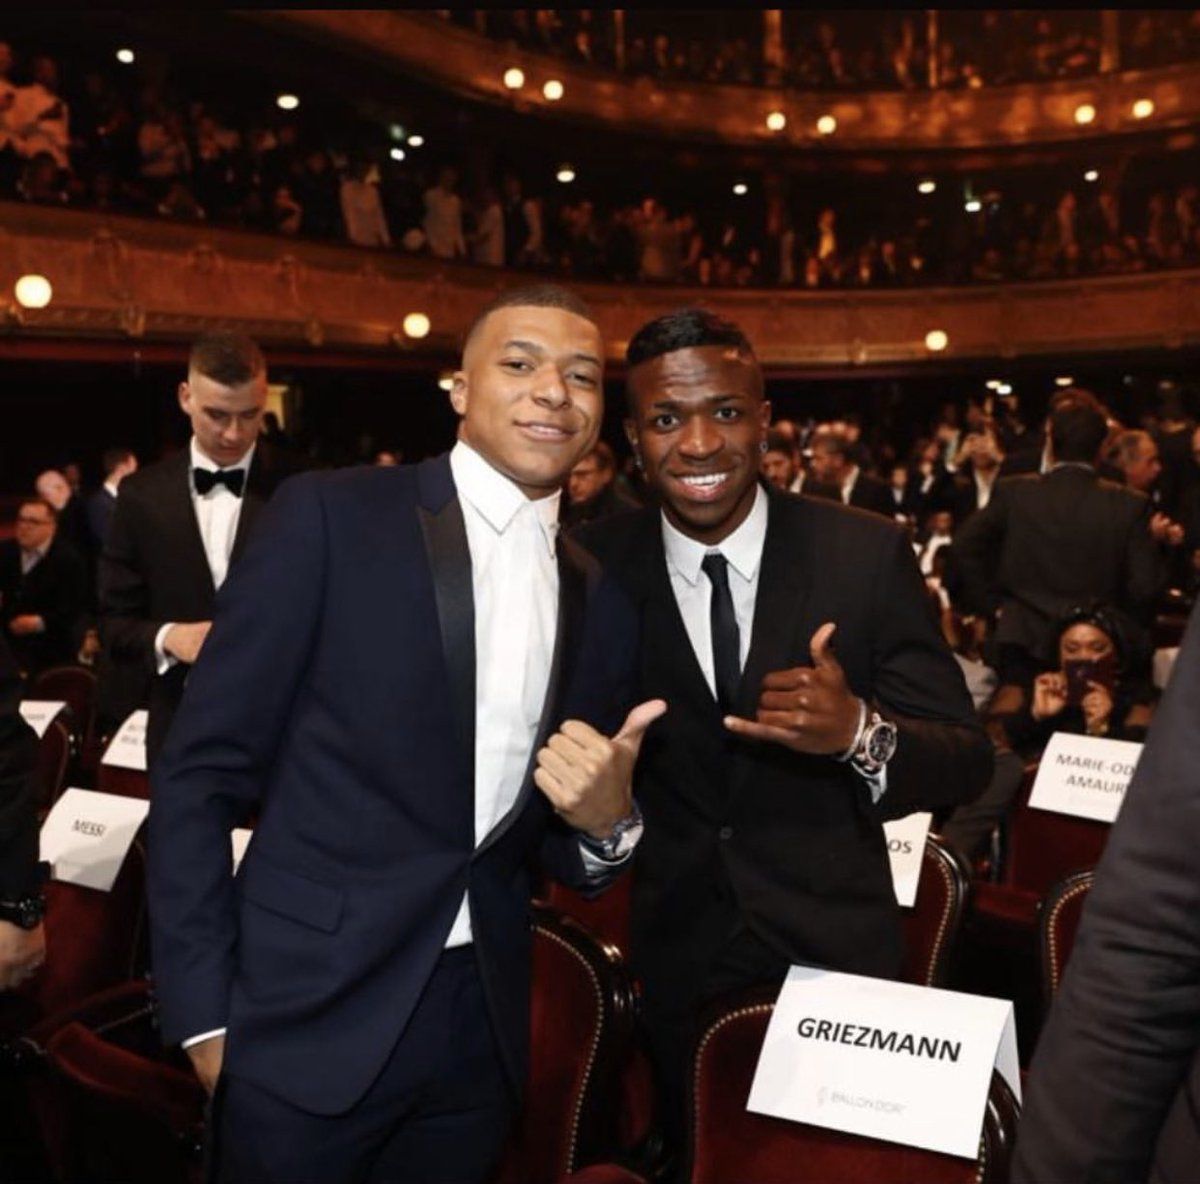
column 1089, row 693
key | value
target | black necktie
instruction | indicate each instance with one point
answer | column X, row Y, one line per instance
column 207, row 479
column 725, row 643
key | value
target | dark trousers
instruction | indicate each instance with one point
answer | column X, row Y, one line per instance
column 437, row 1114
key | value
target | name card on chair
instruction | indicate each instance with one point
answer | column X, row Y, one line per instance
column 87, row 835
column 38, row 713
column 887, row 1060
column 906, row 852
column 1085, row 776
column 127, row 750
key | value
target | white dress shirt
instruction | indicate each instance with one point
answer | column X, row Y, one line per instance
column 217, row 514
column 983, row 489
column 693, row 593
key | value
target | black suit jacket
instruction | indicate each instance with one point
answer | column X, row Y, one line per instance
column 100, row 507
column 18, row 802
column 153, row 570
column 869, row 493
column 1114, row 1092
column 336, row 695
column 791, row 846
column 1047, row 544
column 56, row 589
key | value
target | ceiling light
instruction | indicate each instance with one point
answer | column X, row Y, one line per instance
column 125, row 57
column 514, row 79
column 936, row 340
column 416, row 141
column 397, row 154
column 1091, row 175
column 927, row 187
column 1005, row 388
column 827, row 125
column 33, row 291
column 446, row 382
column 993, row 384
column 565, row 174
column 741, row 189
column 287, row 102
column 396, row 131
column 553, row 90
column 416, row 325
column 776, row 121
column 1085, row 113
column 1143, row 108
column 1064, row 380
column 973, row 206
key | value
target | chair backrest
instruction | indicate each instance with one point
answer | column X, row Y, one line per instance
column 53, row 760
column 727, row 1142
column 1041, row 847
column 581, row 1021
column 76, row 685
column 126, row 783
column 1058, row 922
column 932, row 924
column 606, row 915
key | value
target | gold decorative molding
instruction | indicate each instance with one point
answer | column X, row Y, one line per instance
column 1029, row 113
column 132, row 279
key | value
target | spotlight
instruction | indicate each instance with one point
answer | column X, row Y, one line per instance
column 1085, row 113
column 1091, row 175
column 446, row 382
column 416, row 141
column 33, row 291
column 741, row 189
column 973, row 206
column 1004, row 388
column 553, row 90
column 936, row 340
column 565, row 174
column 287, row 102
column 776, row 121
column 827, row 125
column 993, row 384
column 397, row 154
column 514, row 78
column 1143, row 108
column 125, row 57
column 927, row 187
column 1064, row 380
column 416, row 325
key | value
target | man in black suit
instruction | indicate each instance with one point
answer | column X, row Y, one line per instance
column 1047, row 544
column 978, row 470
column 765, row 785
column 179, row 525
column 833, row 465
column 1114, row 1090
column 43, row 590
column 118, row 463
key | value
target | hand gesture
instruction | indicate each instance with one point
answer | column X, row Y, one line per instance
column 1049, row 695
column 22, row 952
column 588, row 777
column 1097, row 707
column 808, row 709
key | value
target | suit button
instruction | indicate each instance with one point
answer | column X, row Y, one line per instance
column 726, row 832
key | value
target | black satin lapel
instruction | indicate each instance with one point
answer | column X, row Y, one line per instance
column 255, row 497
column 177, row 502
column 783, row 586
column 450, row 568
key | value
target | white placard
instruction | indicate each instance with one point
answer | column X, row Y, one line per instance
column 87, row 835
column 888, row 1060
column 1085, row 776
column 240, row 839
column 906, row 852
column 128, row 747
column 38, row 713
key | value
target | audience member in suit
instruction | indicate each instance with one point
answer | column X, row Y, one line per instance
column 1046, row 544
column 925, row 488
column 118, row 464
column 979, row 465
column 179, row 526
column 51, row 486
column 833, row 465
column 765, row 785
column 396, row 646
column 1135, row 454
column 1114, row 1090
column 783, row 468
column 22, row 950
column 43, row 590
column 592, row 490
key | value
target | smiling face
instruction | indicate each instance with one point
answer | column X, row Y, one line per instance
column 698, row 422
column 531, row 393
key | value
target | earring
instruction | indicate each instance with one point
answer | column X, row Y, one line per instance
column 762, row 447
column 637, row 460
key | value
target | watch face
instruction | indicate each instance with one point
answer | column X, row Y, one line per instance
column 881, row 743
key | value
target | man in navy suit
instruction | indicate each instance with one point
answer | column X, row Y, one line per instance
column 118, row 463
column 393, row 650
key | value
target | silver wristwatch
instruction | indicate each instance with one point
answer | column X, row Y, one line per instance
column 874, row 742
column 621, row 840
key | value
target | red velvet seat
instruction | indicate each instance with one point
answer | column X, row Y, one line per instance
column 126, row 783
column 1062, row 910
column 74, row 685
column 932, row 924
column 606, row 915
column 53, row 761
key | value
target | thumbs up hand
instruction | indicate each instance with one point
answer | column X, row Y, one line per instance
column 808, row 709
column 588, row 777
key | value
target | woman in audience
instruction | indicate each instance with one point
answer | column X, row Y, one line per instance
column 1092, row 692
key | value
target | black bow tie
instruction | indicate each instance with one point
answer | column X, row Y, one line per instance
column 206, row 479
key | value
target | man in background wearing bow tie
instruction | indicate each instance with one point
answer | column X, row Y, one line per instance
column 180, row 524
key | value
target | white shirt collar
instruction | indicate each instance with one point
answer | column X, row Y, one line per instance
column 743, row 548
column 849, row 481
column 497, row 498
column 200, row 461
column 111, row 487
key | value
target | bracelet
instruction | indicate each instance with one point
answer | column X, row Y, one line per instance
column 863, row 717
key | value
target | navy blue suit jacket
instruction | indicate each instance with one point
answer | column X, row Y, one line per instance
column 335, row 699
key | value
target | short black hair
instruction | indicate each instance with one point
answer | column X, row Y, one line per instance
column 1077, row 432
column 228, row 358
column 531, row 296
column 685, row 328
